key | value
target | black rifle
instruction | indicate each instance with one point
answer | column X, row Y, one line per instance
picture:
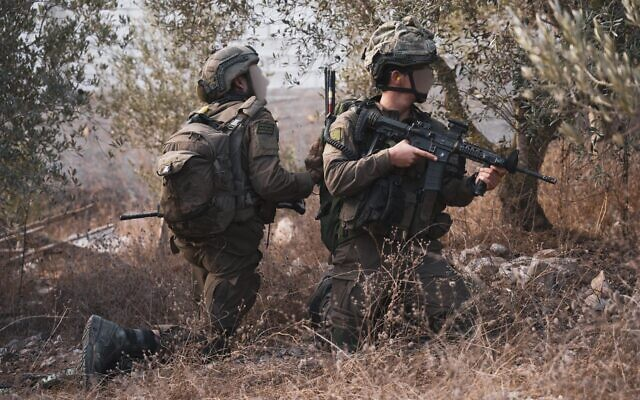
column 297, row 206
column 442, row 143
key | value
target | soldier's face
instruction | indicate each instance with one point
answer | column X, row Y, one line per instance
column 259, row 82
column 423, row 79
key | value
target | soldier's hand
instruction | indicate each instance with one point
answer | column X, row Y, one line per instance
column 491, row 176
column 405, row 155
column 313, row 162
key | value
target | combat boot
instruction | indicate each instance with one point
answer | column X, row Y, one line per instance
column 103, row 345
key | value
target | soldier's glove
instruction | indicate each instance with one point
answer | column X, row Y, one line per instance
column 313, row 162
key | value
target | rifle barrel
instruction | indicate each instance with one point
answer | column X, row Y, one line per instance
column 546, row 178
column 125, row 217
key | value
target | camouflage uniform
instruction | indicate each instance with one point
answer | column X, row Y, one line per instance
column 224, row 266
column 223, row 261
column 363, row 253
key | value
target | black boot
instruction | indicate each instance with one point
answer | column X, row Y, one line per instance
column 106, row 346
column 103, row 344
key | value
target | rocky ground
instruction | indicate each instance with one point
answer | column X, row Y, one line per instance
column 557, row 313
column 555, row 296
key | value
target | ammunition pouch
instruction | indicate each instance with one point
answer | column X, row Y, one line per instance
column 382, row 204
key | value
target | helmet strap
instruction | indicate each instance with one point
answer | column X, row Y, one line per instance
column 420, row 97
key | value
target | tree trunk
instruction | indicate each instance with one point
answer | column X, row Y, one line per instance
column 453, row 102
column 519, row 192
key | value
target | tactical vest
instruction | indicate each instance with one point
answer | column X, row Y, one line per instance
column 397, row 200
column 204, row 185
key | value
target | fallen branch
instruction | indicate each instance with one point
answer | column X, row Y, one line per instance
column 38, row 225
column 70, row 239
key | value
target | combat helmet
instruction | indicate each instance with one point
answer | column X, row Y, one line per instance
column 221, row 68
column 403, row 44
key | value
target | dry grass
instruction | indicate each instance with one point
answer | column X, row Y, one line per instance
column 528, row 341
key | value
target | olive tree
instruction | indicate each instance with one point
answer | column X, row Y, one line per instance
column 588, row 59
column 46, row 48
column 155, row 78
column 478, row 71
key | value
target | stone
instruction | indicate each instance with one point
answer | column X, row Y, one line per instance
column 467, row 254
column 308, row 363
column 522, row 260
column 485, row 266
column 595, row 302
column 284, row 231
column 499, row 249
column 506, row 271
column 546, row 253
column 537, row 267
column 600, row 286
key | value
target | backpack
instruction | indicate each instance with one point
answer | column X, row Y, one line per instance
column 329, row 213
column 204, row 187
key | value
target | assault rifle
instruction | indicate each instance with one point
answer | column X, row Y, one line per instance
column 297, row 206
column 442, row 143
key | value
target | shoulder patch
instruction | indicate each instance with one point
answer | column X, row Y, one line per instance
column 265, row 128
column 336, row 134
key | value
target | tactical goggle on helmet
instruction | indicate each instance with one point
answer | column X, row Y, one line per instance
column 404, row 45
column 221, row 68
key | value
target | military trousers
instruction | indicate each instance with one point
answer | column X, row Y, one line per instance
column 371, row 273
column 224, row 271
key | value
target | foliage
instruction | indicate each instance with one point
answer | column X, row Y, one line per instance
column 153, row 89
column 200, row 22
column 46, row 48
column 588, row 61
column 155, row 79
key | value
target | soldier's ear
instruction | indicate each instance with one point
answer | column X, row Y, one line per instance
column 395, row 76
column 241, row 84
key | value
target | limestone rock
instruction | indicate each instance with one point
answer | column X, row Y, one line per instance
column 595, row 302
column 499, row 250
column 485, row 266
column 546, row 253
column 600, row 286
column 467, row 255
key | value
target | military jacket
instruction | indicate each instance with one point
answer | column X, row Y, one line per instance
column 349, row 179
column 260, row 159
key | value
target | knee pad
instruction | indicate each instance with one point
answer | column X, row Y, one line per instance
column 319, row 306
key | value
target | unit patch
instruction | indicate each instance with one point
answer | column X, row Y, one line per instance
column 336, row 134
column 265, row 128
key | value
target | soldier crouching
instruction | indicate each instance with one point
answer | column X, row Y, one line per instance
column 222, row 179
column 389, row 227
